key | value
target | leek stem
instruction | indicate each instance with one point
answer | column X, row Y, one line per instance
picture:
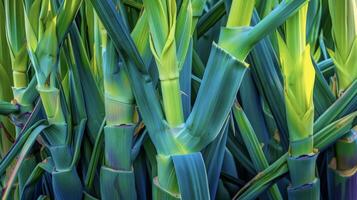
column 20, row 79
column 50, row 97
column 344, row 31
column 171, row 96
column 298, row 82
column 296, row 32
column 166, row 174
column 236, row 17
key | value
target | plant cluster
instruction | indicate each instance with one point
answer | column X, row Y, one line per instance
column 178, row 99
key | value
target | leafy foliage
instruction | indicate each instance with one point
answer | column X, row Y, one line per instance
column 186, row 99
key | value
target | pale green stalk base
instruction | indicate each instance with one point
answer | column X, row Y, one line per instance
column 166, row 174
column 51, row 102
column 20, row 79
column 171, row 97
column 302, row 147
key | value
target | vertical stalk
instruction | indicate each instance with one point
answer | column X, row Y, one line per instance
column 298, row 81
column 344, row 30
column 5, row 80
column 162, row 23
column 166, row 174
column 16, row 38
column 117, row 175
column 171, row 97
column 43, row 43
column 50, row 97
column 296, row 32
column 237, row 28
column 299, row 78
column 170, row 86
column 236, row 17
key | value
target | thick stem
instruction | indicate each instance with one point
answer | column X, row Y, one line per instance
column 117, row 180
column 298, row 91
column 236, row 16
column 346, row 151
column 171, row 96
column 296, row 32
column 119, row 112
column 20, row 79
column 50, row 97
column 301, row 147
column 166, row 174
column 118, row 145
column 299, row 115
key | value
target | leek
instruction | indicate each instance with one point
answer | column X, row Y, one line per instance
column 344, row 32
column 188, row 99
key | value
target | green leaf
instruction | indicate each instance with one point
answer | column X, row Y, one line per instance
column 95, row 157
column 241, row 156
column 191, row 176
column 94, row 104
column 183, row 31
column 323, row 97
column 265, row 70
column 65, row 16
column 44, row 166
column 347, row 102
column 185, row 82
column 24, row 151
column 17, row 146
column 253, row 146
column 213, row 156
column 210, row 18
